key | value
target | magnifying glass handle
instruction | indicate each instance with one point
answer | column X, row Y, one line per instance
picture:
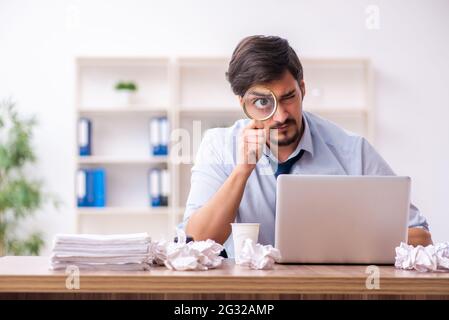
column 257, row 124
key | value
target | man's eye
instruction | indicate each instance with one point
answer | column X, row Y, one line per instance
column 261, row 103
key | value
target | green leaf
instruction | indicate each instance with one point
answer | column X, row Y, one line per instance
column 20, row 196
column 121, row 85
column 30, row 246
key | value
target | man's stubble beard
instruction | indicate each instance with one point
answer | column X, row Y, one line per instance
column 287, row 140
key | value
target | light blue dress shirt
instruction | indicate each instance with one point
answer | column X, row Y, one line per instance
column 328, row 150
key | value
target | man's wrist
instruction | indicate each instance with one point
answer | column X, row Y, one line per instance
column 244, row 169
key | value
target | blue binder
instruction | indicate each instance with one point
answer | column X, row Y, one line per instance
column 84, row 137
column 165, row 187
column 81, row 186
column 99, row 186
column 91, row 187
column 159, row 135
column 154, row 187
column 163, row 144
column 155, row 136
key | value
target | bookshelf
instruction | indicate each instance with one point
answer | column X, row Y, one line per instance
column 193, row 94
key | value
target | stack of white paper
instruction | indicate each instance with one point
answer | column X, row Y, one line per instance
column 102, row 252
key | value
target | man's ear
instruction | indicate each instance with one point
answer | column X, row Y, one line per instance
column 302, row 87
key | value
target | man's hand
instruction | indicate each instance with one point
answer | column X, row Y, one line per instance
column 251, row 141
column 419, row 236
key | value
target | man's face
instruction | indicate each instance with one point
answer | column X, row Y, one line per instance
column 285, row 126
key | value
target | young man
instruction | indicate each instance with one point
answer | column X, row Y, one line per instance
column 226, row 186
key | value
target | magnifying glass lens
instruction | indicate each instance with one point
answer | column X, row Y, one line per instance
column 259, row 103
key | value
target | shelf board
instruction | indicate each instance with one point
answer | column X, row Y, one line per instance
column 343, row 61
column 184, row 160
column 122, row 61
column 206, row 61
column 124, row 110
column 337, row 111
column 122, row 160
column 212, row 110
column 123, row 211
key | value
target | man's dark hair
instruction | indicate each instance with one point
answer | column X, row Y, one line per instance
column 259, row 59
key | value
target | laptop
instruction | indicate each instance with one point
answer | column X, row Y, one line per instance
column 341, row 219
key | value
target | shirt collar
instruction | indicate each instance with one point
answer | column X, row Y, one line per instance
column 305, row 143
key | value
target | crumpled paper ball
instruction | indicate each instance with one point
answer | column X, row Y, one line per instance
column 159, row 252
column 257, row 256
column 423, row 259
column 182, row 256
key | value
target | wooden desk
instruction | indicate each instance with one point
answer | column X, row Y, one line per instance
column 30, row 277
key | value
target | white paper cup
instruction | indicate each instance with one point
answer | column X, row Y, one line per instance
column 241, row 232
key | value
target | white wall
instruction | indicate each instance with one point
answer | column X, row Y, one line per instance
column 39, row 40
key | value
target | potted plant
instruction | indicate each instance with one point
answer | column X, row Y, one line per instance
column 20, row 196
column 125, row 92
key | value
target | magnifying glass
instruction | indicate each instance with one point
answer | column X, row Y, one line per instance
column 259, row 103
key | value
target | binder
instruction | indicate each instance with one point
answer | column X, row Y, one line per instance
column 99, row 187
column 163, row 127
column 154, row 187
column 155, row 136
column 81, row 185
column 159, row 136
column 91, row 187
column 90, row 197
column 165, row 187
column 84, row 137
column 85, row 196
